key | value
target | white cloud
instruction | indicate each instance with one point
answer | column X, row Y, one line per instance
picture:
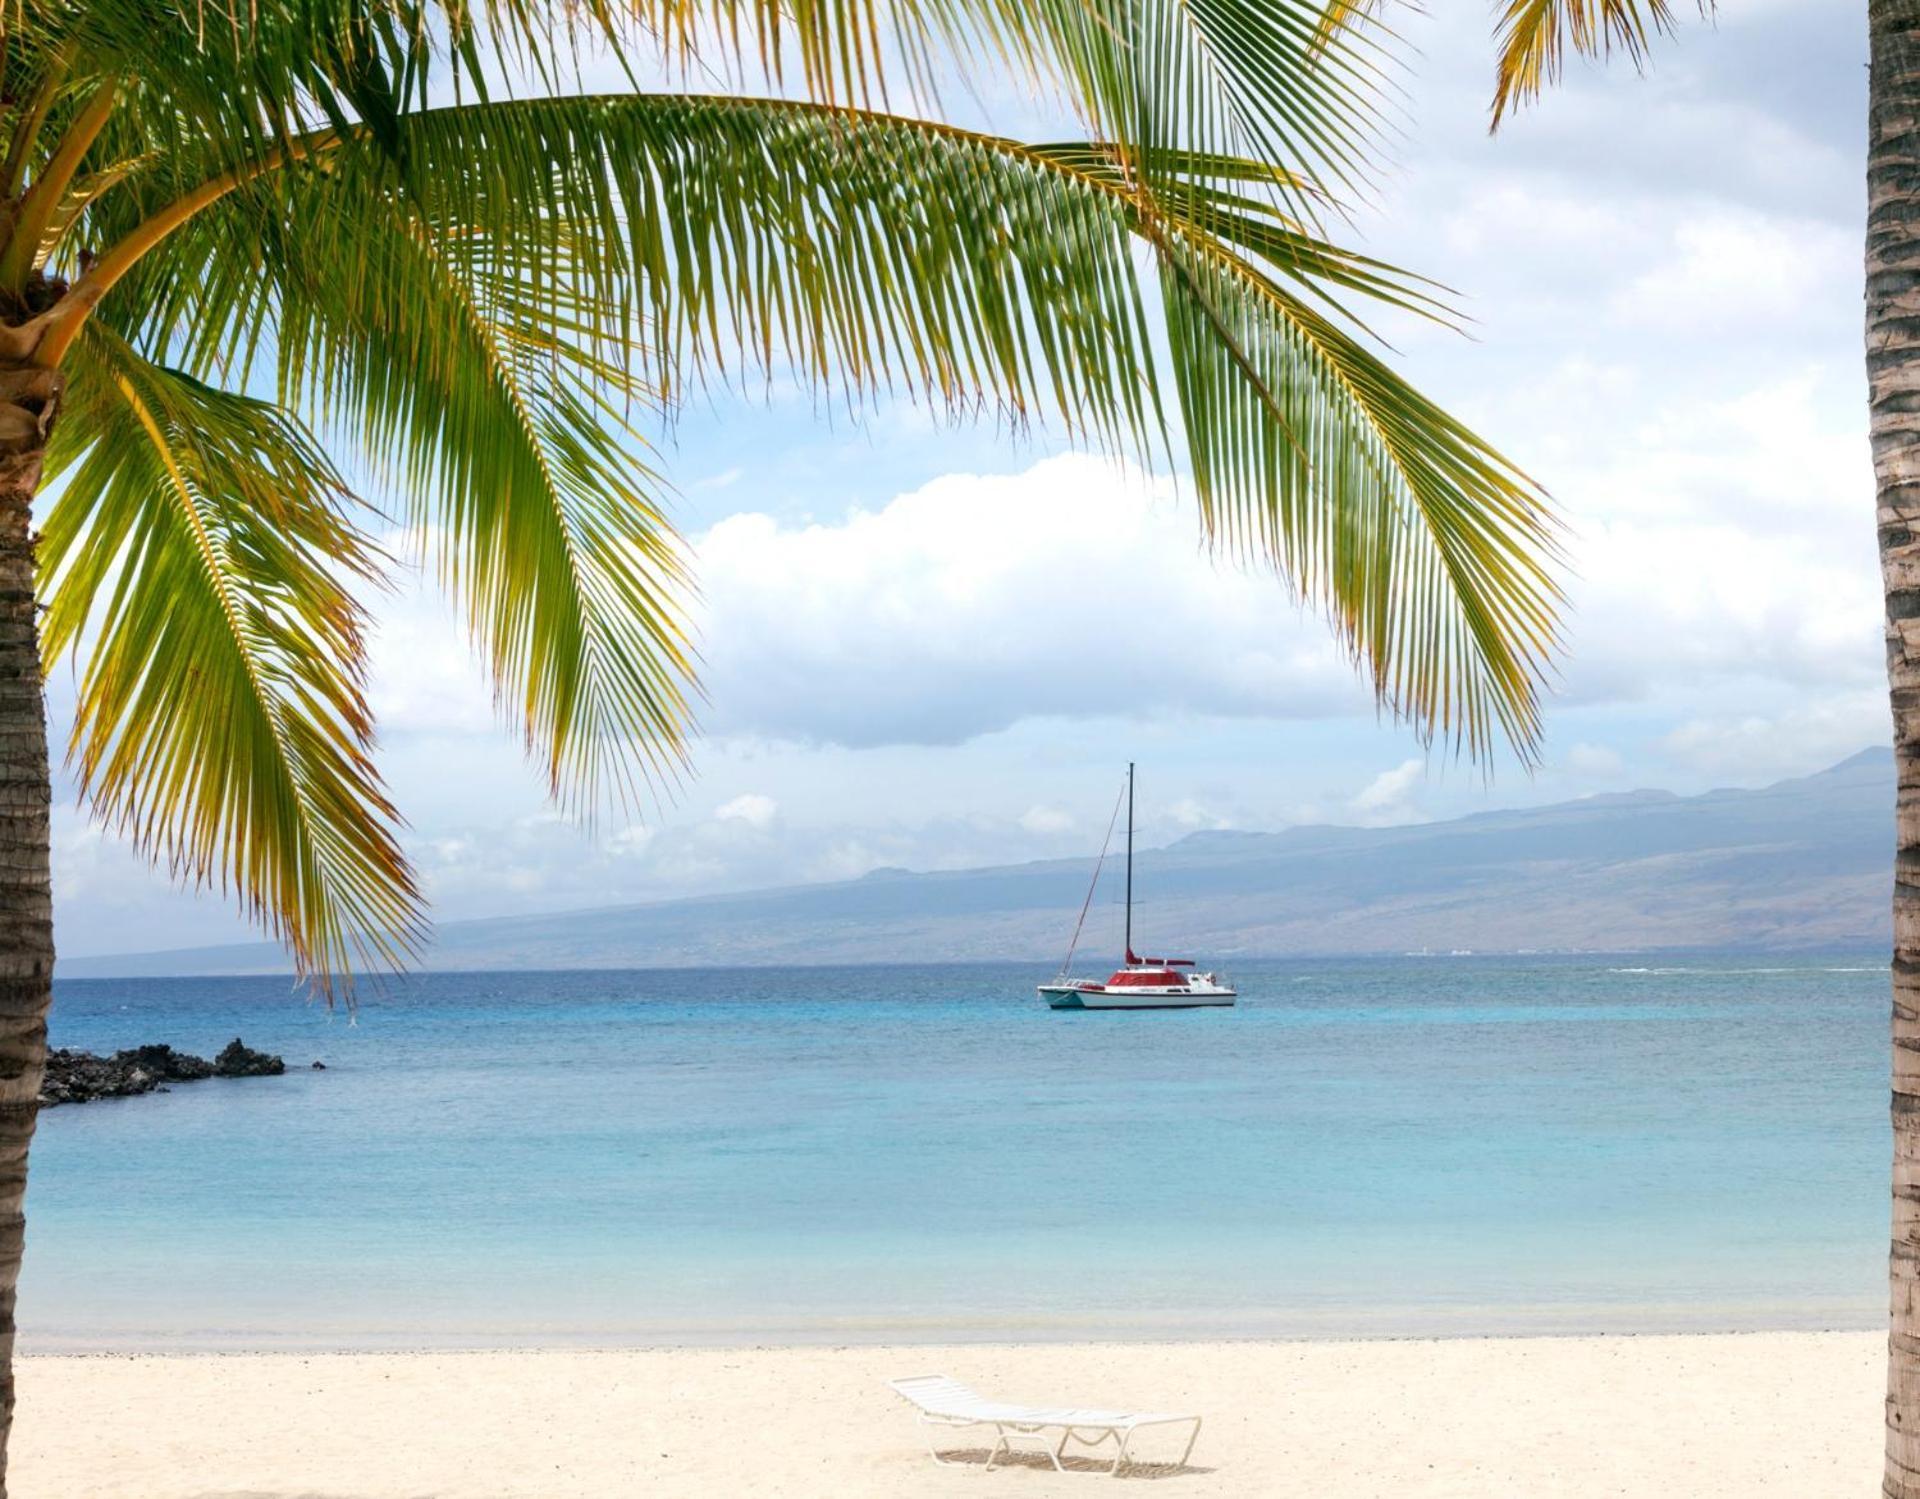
column 1190, row 812
column 1723, row 544
column 424, row 674
column 1043, row 820
column 843, row 859
column 631, row 841
column 751, row 808
column 1726, row 271
column 977, row 602
column 1665, row 607
column 1786, row 742
column 1595, row 761
column 1717, row 548
column 1388, row 797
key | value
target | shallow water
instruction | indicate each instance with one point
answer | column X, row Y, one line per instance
column 1417, row 1145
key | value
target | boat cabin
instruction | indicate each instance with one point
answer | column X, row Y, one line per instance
column 1150, row 973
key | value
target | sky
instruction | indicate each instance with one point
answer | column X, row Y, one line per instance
column 934, row 646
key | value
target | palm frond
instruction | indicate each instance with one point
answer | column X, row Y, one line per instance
column 1337, row 17
column 1250, row 78
column 197, row 562
column 507, row 438
column 663, row 239
column 481, row 300
column 1429, row 554
column 1533, row 36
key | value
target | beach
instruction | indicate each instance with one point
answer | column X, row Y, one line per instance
column 1475, row 1228
column 1788, row 1414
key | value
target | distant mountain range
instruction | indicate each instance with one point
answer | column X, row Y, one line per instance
column 1803, row 864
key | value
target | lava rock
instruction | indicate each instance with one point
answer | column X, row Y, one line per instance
column 78, row 1076
column 165, row 1064
column 237, row 1059
column 81, row 1077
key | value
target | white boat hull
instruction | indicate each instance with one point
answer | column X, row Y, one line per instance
column 1134, row 997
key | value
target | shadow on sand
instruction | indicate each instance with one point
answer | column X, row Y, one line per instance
column 290, row 1494
column 976, row 1457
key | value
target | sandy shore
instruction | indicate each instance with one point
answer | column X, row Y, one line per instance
column 1789, row 1414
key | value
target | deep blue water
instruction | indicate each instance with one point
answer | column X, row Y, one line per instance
column 1411, row 1145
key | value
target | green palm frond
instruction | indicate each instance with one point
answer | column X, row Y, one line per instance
column 197, row 563
column 232, row 77
column 507, row 440
column 891, row 254
column 1425, row 549
column 1248, row 78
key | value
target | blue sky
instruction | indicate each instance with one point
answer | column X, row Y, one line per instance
column 935, row 646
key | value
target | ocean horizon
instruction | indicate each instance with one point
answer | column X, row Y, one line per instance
column 1362, row 1148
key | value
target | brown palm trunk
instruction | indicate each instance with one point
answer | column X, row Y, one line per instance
column 28, row 397
column 1893, row 376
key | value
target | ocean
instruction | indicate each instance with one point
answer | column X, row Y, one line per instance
column 1414, row 1146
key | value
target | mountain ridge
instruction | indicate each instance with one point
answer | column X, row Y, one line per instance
column 1802, row 864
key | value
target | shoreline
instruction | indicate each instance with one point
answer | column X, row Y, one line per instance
column 1703, row 1414
column 827, row 1346
column 1475, row 1323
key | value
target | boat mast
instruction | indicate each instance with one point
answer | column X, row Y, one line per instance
column 1129, row 861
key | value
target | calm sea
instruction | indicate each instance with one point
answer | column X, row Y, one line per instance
column 1422, row 1145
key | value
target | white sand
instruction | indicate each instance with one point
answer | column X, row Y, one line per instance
column 1789, row 1414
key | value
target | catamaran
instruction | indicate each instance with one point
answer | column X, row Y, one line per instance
column 1140, row 983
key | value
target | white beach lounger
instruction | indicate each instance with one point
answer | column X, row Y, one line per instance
column 944, row 1402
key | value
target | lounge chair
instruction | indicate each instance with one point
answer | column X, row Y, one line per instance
column 946, row 1403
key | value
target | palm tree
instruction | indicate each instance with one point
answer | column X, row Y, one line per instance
column 248, row 249
column 1533, row 38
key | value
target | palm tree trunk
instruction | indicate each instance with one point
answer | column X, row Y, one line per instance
column 28, row 399
column 1893, row 376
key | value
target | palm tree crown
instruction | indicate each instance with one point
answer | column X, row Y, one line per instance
column 247, row 250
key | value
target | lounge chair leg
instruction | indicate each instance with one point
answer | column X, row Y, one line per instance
column 1120, row 1458
column 1038, row 1436
column 932, row 1430
column 1192, row 1437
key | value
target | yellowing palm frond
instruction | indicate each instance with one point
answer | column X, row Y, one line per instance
column 1533, row 37
column 197, row 562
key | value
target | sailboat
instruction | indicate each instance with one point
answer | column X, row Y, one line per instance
column 1140, row 983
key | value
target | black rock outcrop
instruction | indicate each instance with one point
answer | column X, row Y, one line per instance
column 237, row 1059
column 166, row 1064
column 80, row 1076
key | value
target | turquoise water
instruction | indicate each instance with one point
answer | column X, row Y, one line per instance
column 1362, row 1147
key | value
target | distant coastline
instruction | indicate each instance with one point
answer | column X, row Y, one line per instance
column 1802, row 866
column 1856, row 956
